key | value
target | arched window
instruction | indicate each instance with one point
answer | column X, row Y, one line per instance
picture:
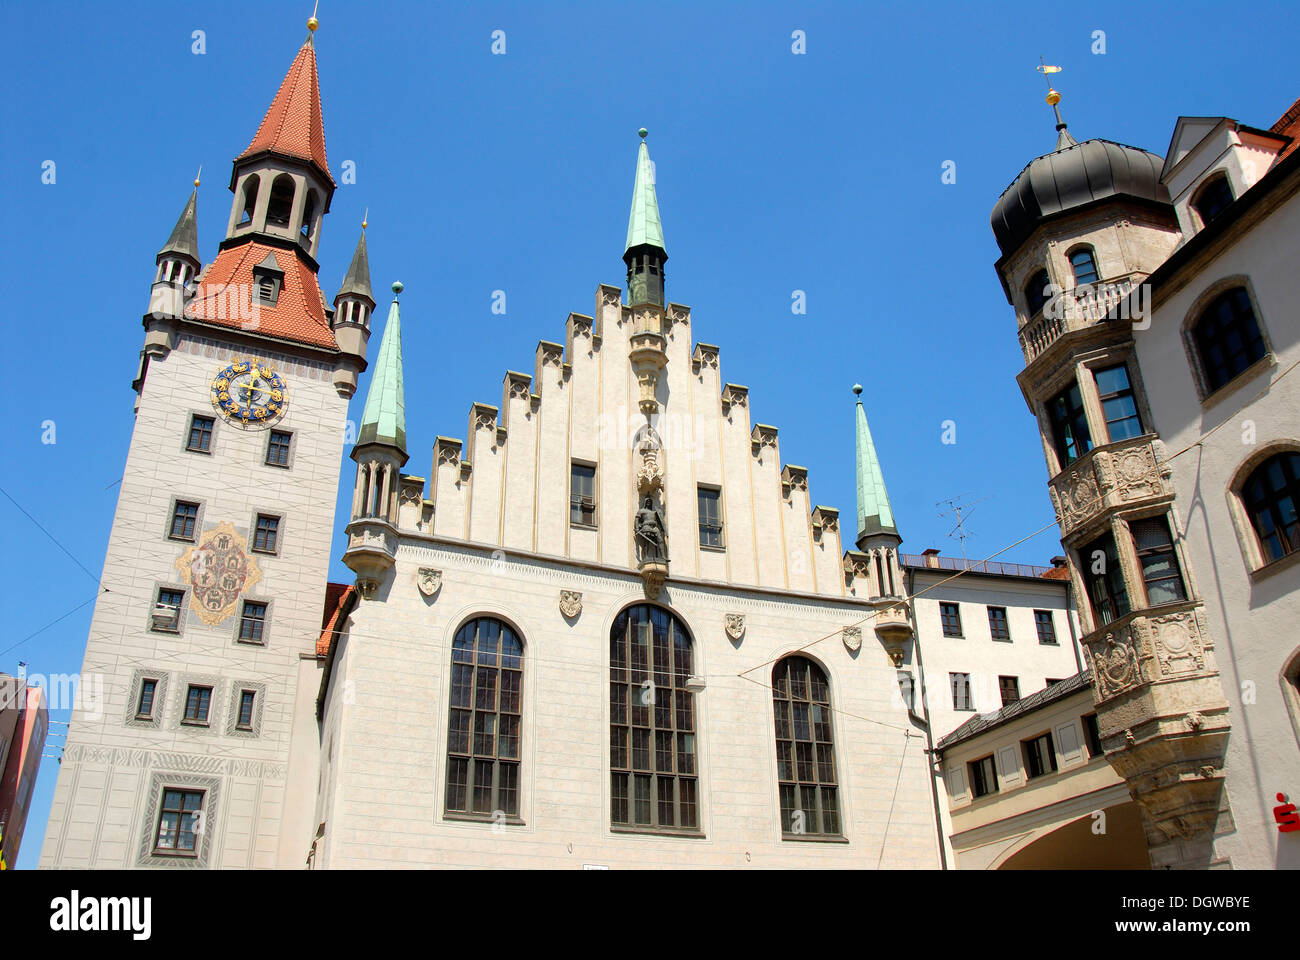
column 805, row 752
column 1037, row 292
column 1214, row 197
column 280, row 209
column 1271, row 495
column 487, row 664
column 1084, row 265
column 653, row 775
column 250, row 199
column 1227, row 338
column 309, row 216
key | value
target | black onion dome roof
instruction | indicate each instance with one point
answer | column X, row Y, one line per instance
column 1070, row 178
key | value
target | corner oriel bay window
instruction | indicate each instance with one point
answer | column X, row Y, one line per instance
column 805, row 751
column 487, row 670
column 1070, row 434
column 653, row 777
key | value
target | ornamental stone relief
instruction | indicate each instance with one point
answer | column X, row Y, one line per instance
column 1177, row 643
column 1107, row 478
column 570, row 603
column 853, row 638
column 735, row 625
column 428, row 581
column 1115, row 664
column 610, row 297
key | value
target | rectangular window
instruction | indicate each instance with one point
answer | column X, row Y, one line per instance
column 582, row 495
column 983, row 777
column 167, row 610
column 1159, row 563
column 1105, row 579
column 252, row 622
column 200, row 434
column 184, row 517
column 1046, row 626
column 268, row 530
column 246, row 698
column 1118, row 404
column 710, row 506
column 277, row 448
column 1009, row 687
column 1040, row 758
column 960, row 683
column 176, row 822
column 950, row 615
column 144, row 706
column 197, row 703
column 1092, row 735
column 1070, row 433
column 998, row 627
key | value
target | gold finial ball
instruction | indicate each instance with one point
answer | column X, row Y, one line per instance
column 1053, row 98
column 312, row 24
column 196, row 181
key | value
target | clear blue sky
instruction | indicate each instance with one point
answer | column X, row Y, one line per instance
column 776, row 173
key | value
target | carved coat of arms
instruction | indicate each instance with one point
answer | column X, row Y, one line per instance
column 570, row 603
column 735, row 623
column 218, row 570
column 428, row 581
column 853, row 638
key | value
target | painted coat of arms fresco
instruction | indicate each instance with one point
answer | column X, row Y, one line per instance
column 217, row 570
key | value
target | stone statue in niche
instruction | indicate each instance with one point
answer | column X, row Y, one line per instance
column 651, row 534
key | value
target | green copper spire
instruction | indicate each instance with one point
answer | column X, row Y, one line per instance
column 874, row 513
column 643, row 226
column 384, row 419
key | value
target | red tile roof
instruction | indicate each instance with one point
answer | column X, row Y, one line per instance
column 1289, row 126
column 293, row 125
column 224, row 296
column 335, row 596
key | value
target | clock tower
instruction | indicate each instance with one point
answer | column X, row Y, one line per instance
column 214, row 580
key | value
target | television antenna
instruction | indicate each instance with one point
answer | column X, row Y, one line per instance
column 961, row 512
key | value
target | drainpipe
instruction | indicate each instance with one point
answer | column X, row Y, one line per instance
column 925, row 705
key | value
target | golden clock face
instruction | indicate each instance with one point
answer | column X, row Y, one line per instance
column 249, row 394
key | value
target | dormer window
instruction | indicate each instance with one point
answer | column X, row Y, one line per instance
column 1037, row 292
column 268, row 279
column 1213, row 198
column 280, row 209
column 1084, row 265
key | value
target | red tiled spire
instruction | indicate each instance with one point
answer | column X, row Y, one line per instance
column 1289, row 126
column 293, row 125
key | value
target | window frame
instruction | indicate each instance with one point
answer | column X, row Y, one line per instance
column 577, row 500
column 1033, row 758
column 255, row 532
column 210, row 431
column 1245, row 507
column 1212, row 181
column 1063, row 413
column 178, row 623
column 994, row 628
column 1144, row 554
column 954, row 607
column 1091, row 253
column 1004, row 686
column 151, row 683
column 1211, row 393
column 1092, row 735
column 471, row 757
column 195, row 721
column 969, row 700
column 195, row 522
column 680, row 719
column 976, row 774
column 813, row 677
column 720, row 524
column 288, row 448
column 1129, row 391
column 177, row 851
column 1109, row 579
column 264, row 621
column 1042, row 295
column 1047, row 617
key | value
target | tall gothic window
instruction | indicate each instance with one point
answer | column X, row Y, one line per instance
column 653, row 772
column 805, row 751
column 1271, row 495
column 487, row 671
column 1227, row 338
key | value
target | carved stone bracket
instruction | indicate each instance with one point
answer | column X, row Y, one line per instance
column 570, row 603
column 653, row 576
column 1113, row 476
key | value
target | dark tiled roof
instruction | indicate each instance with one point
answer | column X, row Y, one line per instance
column 987, row 721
